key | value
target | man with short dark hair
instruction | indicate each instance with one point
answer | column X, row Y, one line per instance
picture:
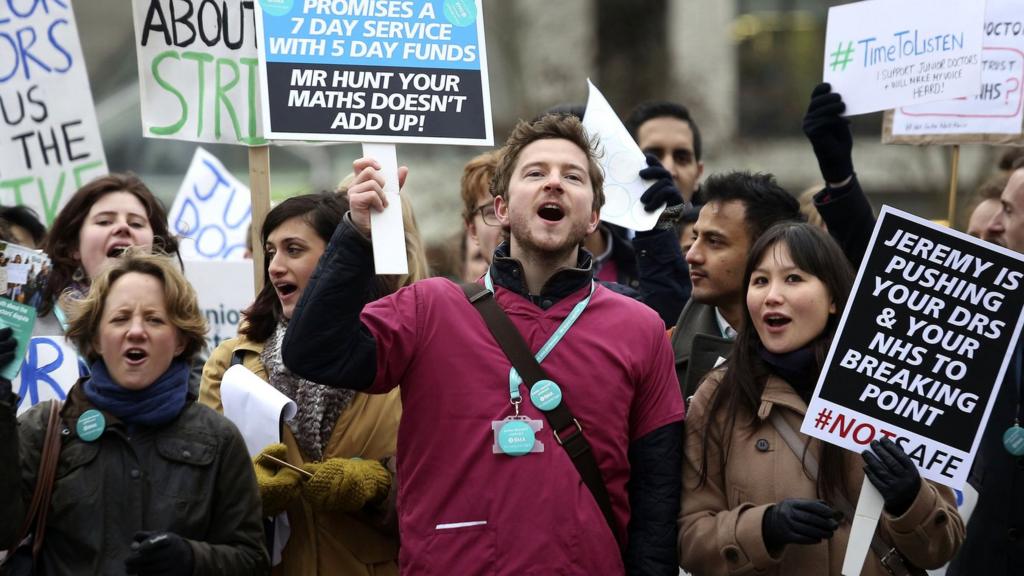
column 669, row 132
column 466, row 503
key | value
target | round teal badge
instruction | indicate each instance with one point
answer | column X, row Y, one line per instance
column 91, row 425
column 276, row 7
column 460, row 12
column 546, row 395
column 516, row 438
column 1013, row 440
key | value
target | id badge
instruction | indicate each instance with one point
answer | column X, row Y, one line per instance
column 516, row 436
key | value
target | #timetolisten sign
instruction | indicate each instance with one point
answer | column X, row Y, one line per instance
column 374, row 71
column 922, row 347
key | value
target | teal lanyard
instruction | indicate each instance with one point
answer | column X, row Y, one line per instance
column 514, row 380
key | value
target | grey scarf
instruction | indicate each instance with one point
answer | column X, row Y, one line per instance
column 318, row 405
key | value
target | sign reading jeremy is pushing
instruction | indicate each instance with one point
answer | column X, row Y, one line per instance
column 923, row 345
column 384, row 71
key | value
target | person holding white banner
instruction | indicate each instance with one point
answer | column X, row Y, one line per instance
column 342, row 513
column 756, row 502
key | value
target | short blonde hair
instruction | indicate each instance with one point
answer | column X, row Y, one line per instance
column 179, row 296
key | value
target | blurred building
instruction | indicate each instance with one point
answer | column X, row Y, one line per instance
column 744, row 67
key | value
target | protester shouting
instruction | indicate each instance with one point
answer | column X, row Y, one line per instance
column 468, row 500
column 755, row 504
column 342, row 517
column 148, row 482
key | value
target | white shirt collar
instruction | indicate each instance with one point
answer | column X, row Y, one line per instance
column 723, row 326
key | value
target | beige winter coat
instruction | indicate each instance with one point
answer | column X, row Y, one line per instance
column 720, row 522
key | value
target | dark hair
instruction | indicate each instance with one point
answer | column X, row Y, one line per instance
column 566, row 108
column 816, row 253
column 62, row 242
column 661, row 109
column 1011, row 159
column 765, row 202
column 323, row 212
column 26, row 218
column 553, row 127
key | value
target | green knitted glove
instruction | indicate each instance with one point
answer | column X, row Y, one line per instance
column 344, row 484
column 278, row 484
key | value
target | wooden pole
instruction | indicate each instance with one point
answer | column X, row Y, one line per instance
column 259, row 188
column 954, row 177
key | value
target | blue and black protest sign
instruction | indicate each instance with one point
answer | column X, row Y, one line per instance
column 374, row 71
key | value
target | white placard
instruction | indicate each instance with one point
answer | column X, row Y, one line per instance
column 998, row 108
column 197, row 70
column 49, row 140
column 387, row 227
column 211, row 212
column 882, row 54
column 255, row 407
column 50, row 369
column 621, row 160
column 224, row 290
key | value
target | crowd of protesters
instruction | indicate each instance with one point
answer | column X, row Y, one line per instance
column 642, row 430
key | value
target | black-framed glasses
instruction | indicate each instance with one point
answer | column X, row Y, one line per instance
column 486, row 211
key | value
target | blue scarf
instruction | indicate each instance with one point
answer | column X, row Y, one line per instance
column 155, row 405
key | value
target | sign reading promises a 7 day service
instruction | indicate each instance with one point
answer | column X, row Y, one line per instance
column 922, row 347
column 375, row 71
column 49, row 140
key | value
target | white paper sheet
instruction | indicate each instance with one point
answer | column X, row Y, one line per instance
column 255, row 407
column 621, row 159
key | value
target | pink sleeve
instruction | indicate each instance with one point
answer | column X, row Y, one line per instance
column 658, row 400
column 395, row 325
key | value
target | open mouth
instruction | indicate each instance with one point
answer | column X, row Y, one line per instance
column 551, row 212
column 286, row 289
column 776, row 320
column 135, row 354
column 117, row 251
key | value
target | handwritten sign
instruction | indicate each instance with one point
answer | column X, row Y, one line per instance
column 50, row 369
column 211, row 212
column 922, row 347
column 881, row 54
column 994, row 113
column 197, row 70
column 224, row 289
column 395, row 71
column 49, row 140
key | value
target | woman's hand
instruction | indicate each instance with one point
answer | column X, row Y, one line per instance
column 278, row 484
column 893, row 473
column 160, row 554
column 346, row 484
column 798, row 521
column 367, row 192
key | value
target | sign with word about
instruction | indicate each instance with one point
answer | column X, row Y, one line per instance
column 395, row 71
column 995, row 113
column 881, row 54
column 197, row 70
column 211, row 212
column 922, row 347
column 223, row 289
column 51, row 368
column 49, row 140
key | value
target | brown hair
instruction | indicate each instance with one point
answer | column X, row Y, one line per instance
column 182, row 307
column 62, row 242
column 548, row 127
column 476, row 178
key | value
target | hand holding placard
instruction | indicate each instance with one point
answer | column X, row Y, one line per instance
column 893, row 473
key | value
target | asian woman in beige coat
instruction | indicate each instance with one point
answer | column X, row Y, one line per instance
column 749, row 505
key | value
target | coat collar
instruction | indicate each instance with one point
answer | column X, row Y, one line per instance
column 507, row 272
column 778, row 393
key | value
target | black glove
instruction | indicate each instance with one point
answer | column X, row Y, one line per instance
column 8, row 344
column 829, row 133
column 662, row 192
column 798, row 521
column 893, row 473
column 160, row 554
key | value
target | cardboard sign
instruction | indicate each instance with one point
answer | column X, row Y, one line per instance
column 49, row 140
column 880, row 54
column 922, row 347
column 50, row 369
column 993, row 114
column 224, row 289
column 197, row 70
column 211, row 212
column 402, row 71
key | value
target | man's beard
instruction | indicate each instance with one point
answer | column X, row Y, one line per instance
column 541, row 250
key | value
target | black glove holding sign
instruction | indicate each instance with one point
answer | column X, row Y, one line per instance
column 662, row 193
column 8, row 344
column 829, row 133
column 893, row 473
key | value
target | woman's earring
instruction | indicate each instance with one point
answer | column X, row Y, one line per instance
column 78, row 275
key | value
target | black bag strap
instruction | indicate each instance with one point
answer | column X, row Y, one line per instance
column 560, row 419
column 891, row 558
column 35, row 520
